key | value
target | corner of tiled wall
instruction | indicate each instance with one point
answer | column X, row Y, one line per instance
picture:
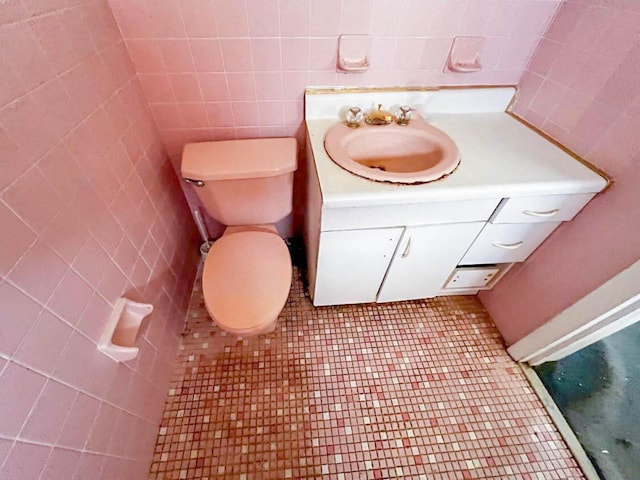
column 582, row 87
column 90, row 209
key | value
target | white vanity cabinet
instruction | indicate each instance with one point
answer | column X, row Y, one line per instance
column 405, row 252
column 369, row 241
column 352, row 264
column 388, row 264
column 387, row 253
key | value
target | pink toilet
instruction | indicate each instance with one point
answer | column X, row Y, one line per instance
column 246, row 185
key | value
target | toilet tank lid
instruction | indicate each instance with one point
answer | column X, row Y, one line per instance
column 238, row 159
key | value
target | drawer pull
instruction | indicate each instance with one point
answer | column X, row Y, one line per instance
column 549, row 213
column 196, row 183
column 407, row 249
column 508, row 246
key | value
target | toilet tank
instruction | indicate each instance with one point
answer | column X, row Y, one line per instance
column 243, row 182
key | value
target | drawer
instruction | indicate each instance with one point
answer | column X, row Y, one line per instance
column 548, row 208
column 506, row 243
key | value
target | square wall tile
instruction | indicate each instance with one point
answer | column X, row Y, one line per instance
column 49, row 413
column 19, row 389
column 25, row 460
column 62, row 463
column 45, row 342
column 20, row 315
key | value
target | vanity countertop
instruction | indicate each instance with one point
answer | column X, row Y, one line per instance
column 500, row 156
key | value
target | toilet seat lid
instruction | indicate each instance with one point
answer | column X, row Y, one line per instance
column 246, row 279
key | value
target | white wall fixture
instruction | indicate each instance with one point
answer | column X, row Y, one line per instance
column 464, row 56
column 119, row 336
column 353, row 53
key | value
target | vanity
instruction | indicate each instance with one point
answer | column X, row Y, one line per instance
column 375, row 241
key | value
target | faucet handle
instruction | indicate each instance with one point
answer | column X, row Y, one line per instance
column 353, row 117
column 404, row 115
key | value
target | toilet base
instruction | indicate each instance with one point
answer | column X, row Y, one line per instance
column 265, row 328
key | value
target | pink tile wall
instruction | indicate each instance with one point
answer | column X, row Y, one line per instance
column 90, row 209
column 582, row 87
column 225, row 69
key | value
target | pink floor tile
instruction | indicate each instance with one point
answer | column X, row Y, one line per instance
column 420, row 389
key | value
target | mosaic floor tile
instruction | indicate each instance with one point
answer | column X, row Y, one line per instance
column 420, row 390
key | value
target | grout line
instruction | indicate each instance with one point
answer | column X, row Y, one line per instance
column 325, row 323
column 561, row 424
column 53, row 445
column 76, row 388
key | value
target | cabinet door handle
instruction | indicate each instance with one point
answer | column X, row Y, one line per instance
column 407, row 249
column 508, row 246
column 549, row 213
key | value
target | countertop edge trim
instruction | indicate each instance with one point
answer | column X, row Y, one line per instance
column 343, row 89
column 608, row 178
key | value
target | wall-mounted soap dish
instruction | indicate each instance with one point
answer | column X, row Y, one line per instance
column 119, row 336
column 464, row 56
column 353, row 53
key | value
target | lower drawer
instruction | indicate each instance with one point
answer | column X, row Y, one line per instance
column 507, row 242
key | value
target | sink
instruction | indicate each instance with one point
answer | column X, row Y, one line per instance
column 409, row 154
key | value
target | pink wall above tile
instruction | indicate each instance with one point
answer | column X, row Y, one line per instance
column 582, row 87
column 90, row 209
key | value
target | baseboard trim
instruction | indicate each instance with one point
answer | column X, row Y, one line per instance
column 561, row 424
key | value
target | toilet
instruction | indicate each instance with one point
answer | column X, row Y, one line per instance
column 247, row 185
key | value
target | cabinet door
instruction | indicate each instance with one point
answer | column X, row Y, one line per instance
column 425, row 258
column 352, row 263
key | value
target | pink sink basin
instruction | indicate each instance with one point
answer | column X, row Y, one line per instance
column 414, row 153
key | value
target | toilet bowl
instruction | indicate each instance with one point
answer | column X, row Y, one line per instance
column 248, row 186
column 246, row 281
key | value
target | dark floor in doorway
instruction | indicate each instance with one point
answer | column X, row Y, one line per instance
column 598, row 391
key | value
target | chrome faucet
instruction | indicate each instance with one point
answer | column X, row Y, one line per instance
column 379, row 117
